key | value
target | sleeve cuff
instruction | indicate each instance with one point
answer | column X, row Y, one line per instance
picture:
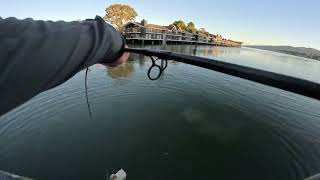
column 118, row 54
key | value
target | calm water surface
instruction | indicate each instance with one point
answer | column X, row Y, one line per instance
column 192, row 123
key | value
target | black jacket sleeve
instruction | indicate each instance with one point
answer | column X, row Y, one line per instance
column 38, row 55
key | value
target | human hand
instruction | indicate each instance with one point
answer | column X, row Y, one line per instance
column 124, row 58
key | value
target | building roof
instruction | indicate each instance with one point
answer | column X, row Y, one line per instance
column 149, row 25
column 156, row 26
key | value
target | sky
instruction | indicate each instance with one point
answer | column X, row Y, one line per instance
column 268, row 22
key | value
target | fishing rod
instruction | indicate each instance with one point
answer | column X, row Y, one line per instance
column 284, row 82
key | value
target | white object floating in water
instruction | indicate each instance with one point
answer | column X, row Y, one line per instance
column 9, row 176
column 120, row 175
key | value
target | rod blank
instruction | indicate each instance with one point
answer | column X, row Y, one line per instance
column 284, row 82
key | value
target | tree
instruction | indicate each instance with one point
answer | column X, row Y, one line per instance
column 119, row 14
column 191, row 27
column 180, row 24
column 203, row 31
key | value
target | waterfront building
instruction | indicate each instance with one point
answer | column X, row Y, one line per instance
column 145, row 32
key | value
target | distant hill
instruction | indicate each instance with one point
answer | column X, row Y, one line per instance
column 296, row 51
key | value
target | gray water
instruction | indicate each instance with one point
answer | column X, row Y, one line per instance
column 192, row 123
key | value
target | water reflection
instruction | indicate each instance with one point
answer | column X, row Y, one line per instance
column 205, row 51
column 192, row 123
column 126, row 70
column 199, row 50
column 141, row 59
column 185, row 49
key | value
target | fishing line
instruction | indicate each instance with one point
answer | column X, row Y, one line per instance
column 160, row 67
column 86, row 88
